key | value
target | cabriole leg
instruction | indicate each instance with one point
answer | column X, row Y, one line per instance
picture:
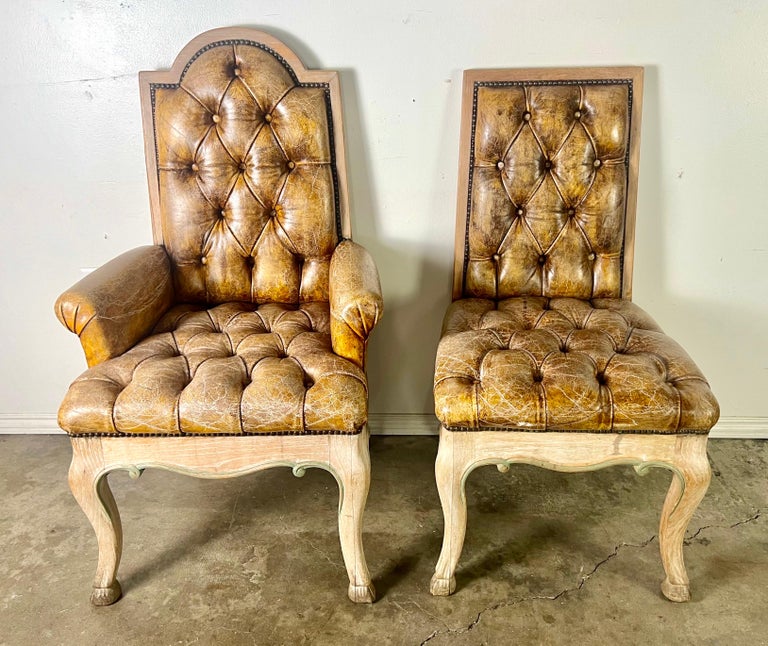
column 450, row 474
column 90, row 487
column 351, row 463
column 685, row 493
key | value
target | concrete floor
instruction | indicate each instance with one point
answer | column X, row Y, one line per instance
column 549, row 557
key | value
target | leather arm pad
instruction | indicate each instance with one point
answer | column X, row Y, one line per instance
column 356, row 301
column 116, row 305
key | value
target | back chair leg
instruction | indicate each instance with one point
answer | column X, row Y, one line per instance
column 689, row 484
column 351, row 464
column 90, row 487
column 450, row 473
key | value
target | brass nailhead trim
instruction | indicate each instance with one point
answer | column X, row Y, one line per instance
column 477, row 86
column 289, row 69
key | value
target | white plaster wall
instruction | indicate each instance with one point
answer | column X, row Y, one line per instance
column 73, row 187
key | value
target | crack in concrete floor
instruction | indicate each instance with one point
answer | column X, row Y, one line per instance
column 752, row 518
column 583, row 580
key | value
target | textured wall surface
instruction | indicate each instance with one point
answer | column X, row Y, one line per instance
column 73, row 182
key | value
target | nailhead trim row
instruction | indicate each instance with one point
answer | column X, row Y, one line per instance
column 464, row 429
column 292, row 73
column 536, row 83
column 243, row 434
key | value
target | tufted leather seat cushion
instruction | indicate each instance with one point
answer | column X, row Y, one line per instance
column 229, row 369
column 565, row 364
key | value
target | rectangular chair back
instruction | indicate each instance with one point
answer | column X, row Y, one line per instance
column 548, row 183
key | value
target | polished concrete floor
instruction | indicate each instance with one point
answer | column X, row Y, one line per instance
column 550, row 558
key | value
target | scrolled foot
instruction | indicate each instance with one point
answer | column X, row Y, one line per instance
column 106, row 596
column 676, row 591
column 362, row 593
column 442, row 587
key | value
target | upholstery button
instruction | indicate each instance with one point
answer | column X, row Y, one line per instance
column 221, row 214
column 500, row 164
column 577, row 114
column 242, row 165
column 273, row 213
column 237, row 71
column 571, row 212
column 194, row 168
column 526, row 116
column 268, row 118
column 542, row 259
column 496, row 257
column 203, row 260
column 592, row 256
column 291, row 165
column 597, row 163
column 548, row 164
column 216, row 118
column 520, row 211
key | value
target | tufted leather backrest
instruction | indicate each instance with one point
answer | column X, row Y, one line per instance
column 548, row 180
column 244, row 170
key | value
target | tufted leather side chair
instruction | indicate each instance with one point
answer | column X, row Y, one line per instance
column 544, row 359
column 237, row 341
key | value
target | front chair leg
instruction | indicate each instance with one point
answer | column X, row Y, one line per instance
column 689, row 484
column 351, row 464
column 450, row 474
column 90, row 487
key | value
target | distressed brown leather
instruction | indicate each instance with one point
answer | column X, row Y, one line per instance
column 247, row 202
column 232, row 368
column 540, row 338
column 565, row 364
column 119, row 303
column 226, row 327
column 356, row 302
column 548, row 191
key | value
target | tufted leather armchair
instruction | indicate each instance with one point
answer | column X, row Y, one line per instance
column 544, row 359
column 237, row 341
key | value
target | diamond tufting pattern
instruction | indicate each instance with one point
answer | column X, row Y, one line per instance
column 548, row 189
column 246, row 175
column 234, row 368
column 565, row 364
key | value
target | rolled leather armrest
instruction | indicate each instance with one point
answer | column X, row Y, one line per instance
column 356, row 302
column 117, row 304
